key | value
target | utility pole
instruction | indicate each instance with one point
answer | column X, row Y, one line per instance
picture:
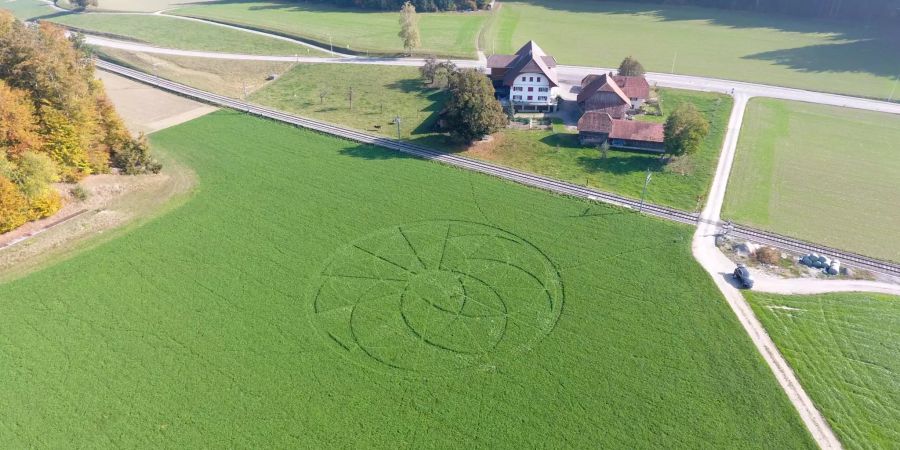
column 331, row 45
column 894, row 90
column 644, row 193
column 397, row 121
column 673, row 62
column 350, row 96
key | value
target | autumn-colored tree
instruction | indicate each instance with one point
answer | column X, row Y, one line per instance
column 64, row 144
column 13, row 206
column 34, row 173
column 18, row 127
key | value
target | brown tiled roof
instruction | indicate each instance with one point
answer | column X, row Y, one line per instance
column 637, row 131
column 529, row 59
column 601, row 122
column 633, row 87
column 595, row 122
column 602, row 83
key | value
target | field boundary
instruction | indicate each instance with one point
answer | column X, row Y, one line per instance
column 537, row 181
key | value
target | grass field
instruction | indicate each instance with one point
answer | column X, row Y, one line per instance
column 683, row 183
column 145, row 5
column 443, row 34
column 182, row 34
column 826, row 56
column 522, row 318
column 826, row 174
column 845, row 348
column 379, row 95
column 26, row 9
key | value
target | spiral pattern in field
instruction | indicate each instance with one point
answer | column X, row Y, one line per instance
column 434, row 296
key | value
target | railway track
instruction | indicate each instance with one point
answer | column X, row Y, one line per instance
column 517, row 176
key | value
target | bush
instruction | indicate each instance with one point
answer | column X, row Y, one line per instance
column 13, row 206
column 44, row 205
column 79, row 193
column 133, row 158
column 768, row 255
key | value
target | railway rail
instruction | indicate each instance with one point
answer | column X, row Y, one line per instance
column 549, row 184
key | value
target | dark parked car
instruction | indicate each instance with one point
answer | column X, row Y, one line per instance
column 742, row 275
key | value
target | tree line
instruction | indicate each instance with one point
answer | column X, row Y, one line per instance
column 56, row 122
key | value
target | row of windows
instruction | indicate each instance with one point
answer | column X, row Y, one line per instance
column 530, row 89
column 531, row 79
column 541, row 98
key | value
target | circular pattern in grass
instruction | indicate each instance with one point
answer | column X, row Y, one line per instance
column 437, row 296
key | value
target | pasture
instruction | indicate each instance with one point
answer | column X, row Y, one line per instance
column 825, row 174
column 837, row 57
column 845, row 349
column 448, row 34
column 182, row 34
column 26, row 9
column 318, row 293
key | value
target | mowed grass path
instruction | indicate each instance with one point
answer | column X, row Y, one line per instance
column 443, row 34
column 826, row 174
column 200, row 329
column 845, row 348
column 182, row 34
column 840, row 57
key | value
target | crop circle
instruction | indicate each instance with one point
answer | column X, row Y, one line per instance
column 436, row 296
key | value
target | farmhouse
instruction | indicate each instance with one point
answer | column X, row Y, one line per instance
column 527, row 79
column 606, row 100
column 599, row 127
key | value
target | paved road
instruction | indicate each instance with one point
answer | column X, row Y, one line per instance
column 568, row 74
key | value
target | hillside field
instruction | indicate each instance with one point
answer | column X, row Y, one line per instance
column 825, row 56
column 176, row 33
column 315, row 292
column 450, row 34
column 825, row 174
column 845, row 349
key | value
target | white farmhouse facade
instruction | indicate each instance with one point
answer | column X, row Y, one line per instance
column 527, row 80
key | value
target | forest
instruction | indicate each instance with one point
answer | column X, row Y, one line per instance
column 56, row 122
column 869, row 10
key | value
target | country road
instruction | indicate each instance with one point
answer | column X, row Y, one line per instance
column 569, row 74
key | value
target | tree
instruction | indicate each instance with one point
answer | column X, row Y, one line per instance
column 685, row 130
column 322, row 94
column 631, row 67
column 82, row 4
column 34, row 173
column 472, row 110
column 604, row 149
column 444, row 71
column 18, row 127
column 134, row 157
column 409, row 27
column 13, row 206
column 429, row 69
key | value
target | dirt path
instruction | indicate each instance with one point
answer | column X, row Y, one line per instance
column 709, row 256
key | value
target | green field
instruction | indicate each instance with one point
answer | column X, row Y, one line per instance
column 145, row 5
column 182, row 34
column 826, row 56
column 380, row 93
column 318, row 293
column 826, row 174
column 361, row 31
column 683, row 183
column 26, row 9
column 845, row 348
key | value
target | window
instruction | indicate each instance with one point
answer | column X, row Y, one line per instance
column 542, row 98
column 517, row 88
column 539, row 79
column 517, row 97
column 543, row 89
column 531, row 79
column 530, row 97
column 530, row 89
column 523, row 78
column 617, row 143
